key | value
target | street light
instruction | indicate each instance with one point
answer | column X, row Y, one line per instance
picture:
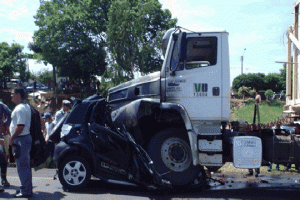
column 242, row 59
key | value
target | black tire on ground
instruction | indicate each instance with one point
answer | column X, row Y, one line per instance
column 171, row 154
column 74, row 173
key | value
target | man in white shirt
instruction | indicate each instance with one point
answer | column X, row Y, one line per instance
column 66, row 106
column 21, row 141
column 48, row 125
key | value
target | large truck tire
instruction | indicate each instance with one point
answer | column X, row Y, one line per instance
column 171, row 154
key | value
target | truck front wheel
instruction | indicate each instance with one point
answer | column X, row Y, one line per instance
column 171, row 155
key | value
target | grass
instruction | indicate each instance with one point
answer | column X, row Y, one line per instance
column 269, row 111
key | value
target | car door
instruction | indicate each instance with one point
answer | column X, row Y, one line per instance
column 109, row 146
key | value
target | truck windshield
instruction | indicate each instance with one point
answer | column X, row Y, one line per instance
column 201, row 51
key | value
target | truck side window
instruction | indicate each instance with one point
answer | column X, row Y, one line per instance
column 200, row 50
column 118, row 95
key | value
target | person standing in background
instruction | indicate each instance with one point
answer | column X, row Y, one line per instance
column 34, row 84
column 5, row 114
column 66, row 106
column 48, row 125
column 49, row 84
column 2, row 158
column 21, row 141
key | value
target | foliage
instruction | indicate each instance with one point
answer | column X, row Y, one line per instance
column 249, row 80
column 134, row 34
column 240, row 90
column 268, row 93
column 71, row 36
column 251, row 93
column 250, row 101
column 12, row 60
column 283, row 96
column 276, row 103
column 272, row 82
column 43, row 76
column 112, row 76
column 74, row 36
column 282, row 76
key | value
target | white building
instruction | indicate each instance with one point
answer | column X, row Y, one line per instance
column 292, row 107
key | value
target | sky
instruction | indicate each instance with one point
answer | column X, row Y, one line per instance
column 259, row 26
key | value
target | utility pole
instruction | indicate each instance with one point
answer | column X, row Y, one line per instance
column 242, row 60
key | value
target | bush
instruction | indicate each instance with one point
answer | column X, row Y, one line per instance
column 240, row 91
column 250, row 101
column 276, row 103
column 282, row 98
column 268, row 93
column 251, row 93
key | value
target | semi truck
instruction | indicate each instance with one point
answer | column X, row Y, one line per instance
column 180, row 113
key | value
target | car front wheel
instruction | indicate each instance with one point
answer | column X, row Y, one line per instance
column 74, row 173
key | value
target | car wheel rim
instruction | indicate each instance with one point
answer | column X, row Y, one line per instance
column 74, row 173
column 175, row 154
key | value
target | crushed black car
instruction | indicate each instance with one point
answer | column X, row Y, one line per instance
column 89, row 144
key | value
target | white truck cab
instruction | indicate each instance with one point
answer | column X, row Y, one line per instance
column 179, row 114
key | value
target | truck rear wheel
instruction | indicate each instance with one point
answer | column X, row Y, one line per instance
column 171, row 155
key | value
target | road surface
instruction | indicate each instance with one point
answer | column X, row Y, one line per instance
column 221, row 187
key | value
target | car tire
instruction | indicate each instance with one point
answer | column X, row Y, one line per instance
column 74, row 173
column 171, row 154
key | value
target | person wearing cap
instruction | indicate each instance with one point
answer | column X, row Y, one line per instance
column 66, row 106
column 48, row 125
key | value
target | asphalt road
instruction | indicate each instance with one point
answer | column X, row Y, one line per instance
column 221, row 187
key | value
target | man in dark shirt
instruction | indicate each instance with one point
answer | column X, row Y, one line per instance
column 5, row 119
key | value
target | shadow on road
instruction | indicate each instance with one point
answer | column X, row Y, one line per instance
column 100, row 188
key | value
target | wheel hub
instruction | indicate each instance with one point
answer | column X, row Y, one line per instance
column 74, row 173
column 175, row 154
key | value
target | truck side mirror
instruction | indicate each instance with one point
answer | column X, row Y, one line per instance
column 179, row 51
column 183, row 47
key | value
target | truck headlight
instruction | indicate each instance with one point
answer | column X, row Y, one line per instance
column 65, row 130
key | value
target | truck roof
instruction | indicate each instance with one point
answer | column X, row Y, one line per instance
column 205, row 30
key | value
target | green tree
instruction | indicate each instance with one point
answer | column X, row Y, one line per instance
column 246, row 91
column 249, row 80
column 272, row 82
column 134, row 34
column 269, row 93
column 251, row 93
column 282, row 77
column 71, row 36
column 44, row 75
column 6, row 68
column 12, row 59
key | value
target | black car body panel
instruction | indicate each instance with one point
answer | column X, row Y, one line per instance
column 60, row 149
column 111, row 153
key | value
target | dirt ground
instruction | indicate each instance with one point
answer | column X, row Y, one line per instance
column 237, row 104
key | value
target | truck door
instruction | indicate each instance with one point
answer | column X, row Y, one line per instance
column 195, row 79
